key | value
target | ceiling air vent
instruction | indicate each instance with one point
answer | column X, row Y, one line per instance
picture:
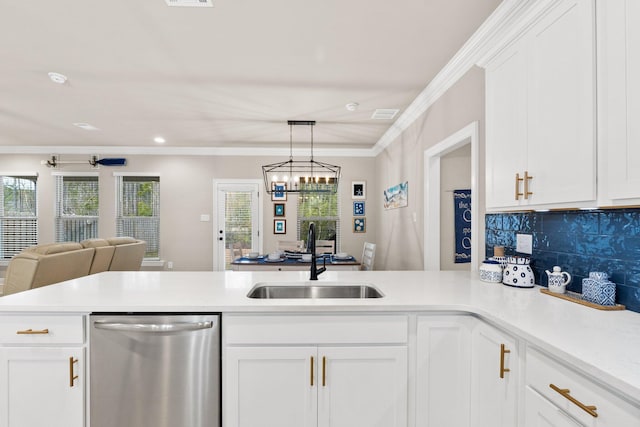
column 190, row 3
column 384, row 113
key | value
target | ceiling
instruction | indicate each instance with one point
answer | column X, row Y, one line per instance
column 224, row 76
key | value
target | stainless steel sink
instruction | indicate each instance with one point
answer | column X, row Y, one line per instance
column 312, row 290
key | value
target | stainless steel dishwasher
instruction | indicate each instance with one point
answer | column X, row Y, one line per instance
column 155, row 370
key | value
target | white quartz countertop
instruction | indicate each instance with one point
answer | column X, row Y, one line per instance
column 604, row 344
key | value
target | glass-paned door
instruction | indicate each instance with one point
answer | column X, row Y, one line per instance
column 238, row 222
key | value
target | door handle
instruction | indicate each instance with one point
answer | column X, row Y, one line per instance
column 72, row 377
column 153, row 327
column 566, row 393
column 503, row 351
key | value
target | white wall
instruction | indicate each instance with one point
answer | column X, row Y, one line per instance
column 399, row 237
column 186, row 192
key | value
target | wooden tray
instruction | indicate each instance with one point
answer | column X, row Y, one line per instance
column 577, row 298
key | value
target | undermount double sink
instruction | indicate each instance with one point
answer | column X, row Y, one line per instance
column 309, row 290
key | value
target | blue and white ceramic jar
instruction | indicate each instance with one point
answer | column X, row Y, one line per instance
column 598, row 289
column 491, row 271
column 517, row 273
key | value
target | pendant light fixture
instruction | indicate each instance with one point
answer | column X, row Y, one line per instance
column 301, row 176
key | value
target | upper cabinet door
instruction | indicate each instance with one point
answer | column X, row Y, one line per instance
column 506, row 115
column 562, row 87
column 541, row 113
column 619, row 101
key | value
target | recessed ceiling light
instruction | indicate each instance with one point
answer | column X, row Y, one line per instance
column 352, row 106
column 85, row 126
column 58, row 78
column 159, row 140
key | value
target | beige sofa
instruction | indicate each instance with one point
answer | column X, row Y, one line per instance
column 46, row 264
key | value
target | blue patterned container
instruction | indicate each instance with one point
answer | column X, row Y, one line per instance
column 599, row 291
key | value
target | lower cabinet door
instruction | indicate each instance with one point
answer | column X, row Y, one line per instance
column 362, row 386
column 494, row 378
column 42, row 387
column 443, row 370
column 540, row 412
column 270, row 387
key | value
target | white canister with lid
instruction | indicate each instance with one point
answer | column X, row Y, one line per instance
column 491, row 271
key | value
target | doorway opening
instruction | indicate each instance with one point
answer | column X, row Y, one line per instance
column 432, row 193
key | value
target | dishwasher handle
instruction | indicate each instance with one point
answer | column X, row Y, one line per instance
column 153, row 327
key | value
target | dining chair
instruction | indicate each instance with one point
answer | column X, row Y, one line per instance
column 325, row 246
column 290, row 245
column 368, row 256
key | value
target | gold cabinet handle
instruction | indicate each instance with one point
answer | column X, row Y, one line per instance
column 72, row 377
column 503, row 351
column 527, row 178
column 32, row 332
column 311, row 372
column 324, row 371
column 565, row 392
column 518, row 179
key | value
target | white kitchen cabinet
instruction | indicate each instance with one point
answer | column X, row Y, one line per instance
column 316, row 386
column 578, row 398
column 540, row 107
column 42, row 381
column 443, row 370
column 271, row 386
column 542, row 413
column 494, row 377
column 619, row 101
column 328, row 371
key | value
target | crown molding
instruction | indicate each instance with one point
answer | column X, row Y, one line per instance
column 186, row 151
column 509, row 18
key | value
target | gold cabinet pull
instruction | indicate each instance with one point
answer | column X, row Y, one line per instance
column 311, row 372
column 527, row 178
column 565, row 392
column 32, row 332
column 518, row 179
column 503, row 351
column 324, row 371
column 72, row 377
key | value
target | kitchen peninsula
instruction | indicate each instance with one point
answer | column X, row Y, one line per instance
column 593, row 354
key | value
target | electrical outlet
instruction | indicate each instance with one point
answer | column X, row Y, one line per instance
column 524, row 243
column 169, row 265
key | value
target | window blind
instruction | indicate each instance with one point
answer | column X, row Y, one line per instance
column 138, row 210
column 77, row 208
column 18, row 214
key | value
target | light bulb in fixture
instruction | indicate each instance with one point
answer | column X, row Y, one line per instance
column 159, row 140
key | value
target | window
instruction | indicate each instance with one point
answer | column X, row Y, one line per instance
column 18, row 214
column 138, row 210
column 76, row 207
column 323, row 210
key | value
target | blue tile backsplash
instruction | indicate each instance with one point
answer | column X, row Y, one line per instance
column 579, row 242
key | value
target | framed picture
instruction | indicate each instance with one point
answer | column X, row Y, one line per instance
column 359, row 225
column 279, row 226
column 358, row 190
column 278, row 209
column 278, row 191
column 358, row 208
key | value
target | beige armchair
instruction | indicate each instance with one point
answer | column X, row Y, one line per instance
column 103, row 254
column 128, row 253
column 46, row 264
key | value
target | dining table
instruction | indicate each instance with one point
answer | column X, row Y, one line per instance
column 294, row 262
